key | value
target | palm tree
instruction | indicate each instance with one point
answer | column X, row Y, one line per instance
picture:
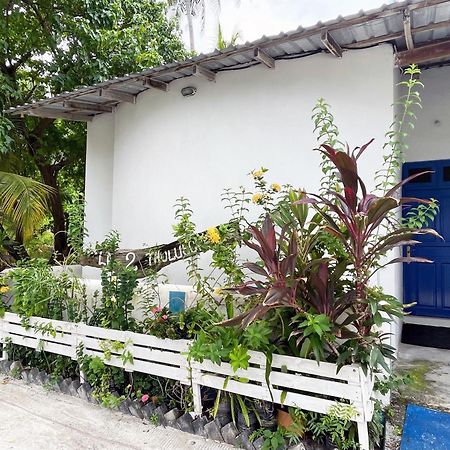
column 188, row 8
column 191, row 9
column 24, row 202
column 222, row 43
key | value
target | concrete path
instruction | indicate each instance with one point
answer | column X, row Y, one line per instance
column 429, row 369
column 32, row 418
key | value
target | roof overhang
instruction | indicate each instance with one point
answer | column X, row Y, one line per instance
column 419, row 30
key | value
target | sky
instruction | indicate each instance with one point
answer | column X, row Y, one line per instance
column 255, row 18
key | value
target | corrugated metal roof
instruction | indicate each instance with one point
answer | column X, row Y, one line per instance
column 430, row 22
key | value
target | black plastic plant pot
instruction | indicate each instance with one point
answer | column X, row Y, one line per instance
column 265, row 410
column 242, row 424
column 271, row 424
column 329, row 444
column 208, row 397
column 267, row 415
column 224, row 412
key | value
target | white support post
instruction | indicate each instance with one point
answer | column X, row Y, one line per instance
column 4, row 356
column 78, row 340
column 363, row 435
column 363, row 424
column 263, row 368
column 196, row 392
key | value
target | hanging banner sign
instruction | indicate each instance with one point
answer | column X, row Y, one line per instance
column 153, row 258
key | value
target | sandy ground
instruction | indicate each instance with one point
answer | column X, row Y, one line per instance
column 33, row 418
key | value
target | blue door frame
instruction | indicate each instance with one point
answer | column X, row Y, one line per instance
column 429, row 284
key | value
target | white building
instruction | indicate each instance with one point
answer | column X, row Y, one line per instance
column 148, row 144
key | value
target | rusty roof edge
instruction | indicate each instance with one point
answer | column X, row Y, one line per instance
column 263, row 42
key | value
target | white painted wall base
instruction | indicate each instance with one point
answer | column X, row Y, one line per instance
column 430, row 321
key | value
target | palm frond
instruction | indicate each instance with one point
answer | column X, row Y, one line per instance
column 24, row 201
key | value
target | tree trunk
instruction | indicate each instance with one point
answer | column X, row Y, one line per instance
column 15, row 249
column 190, row 25
column 50, row 178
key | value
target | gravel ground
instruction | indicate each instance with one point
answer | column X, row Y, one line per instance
column 33, row 418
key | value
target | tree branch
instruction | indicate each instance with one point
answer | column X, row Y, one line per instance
column 24, row 58
column 59, row 165
column 35, row 135
column 30, row 93
column 42, row 125
column 47, row 30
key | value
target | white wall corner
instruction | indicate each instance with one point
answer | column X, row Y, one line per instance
column 99, row 177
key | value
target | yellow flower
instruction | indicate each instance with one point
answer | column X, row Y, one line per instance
column 258, row 173
column 213, row 235
column 257, row 197
column 4, row 289
column 218, row 291
column 276, row 187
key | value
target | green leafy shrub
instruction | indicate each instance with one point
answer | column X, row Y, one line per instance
column 115, row 306
column 337, row 425
column 162, row 323
column 39, row 292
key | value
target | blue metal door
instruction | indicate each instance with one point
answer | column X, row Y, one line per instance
column 429, row 284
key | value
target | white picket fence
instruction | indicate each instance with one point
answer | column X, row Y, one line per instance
column 297, row 382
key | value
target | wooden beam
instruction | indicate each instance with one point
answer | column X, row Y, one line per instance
column 53, row 113
column 202, row 72
column 114, row 94
column 431, row 26
column 157, row 84
column 330, row 44
column 374, row 40
column 407, row 29
column 390, row 37
column 426, row 53
column 86, row 106
column 264, row 58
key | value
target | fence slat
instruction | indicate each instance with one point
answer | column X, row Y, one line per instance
column 170, row 358
column 288, row 380
column 148, row 367
column 52, row 347
column 301, row 365
column 306, row 402
column 181, row 345
column 61, row 337
column 61, row 324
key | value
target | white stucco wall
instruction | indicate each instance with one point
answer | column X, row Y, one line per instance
column 99, row 176
column 431, row 136
column 166, row 146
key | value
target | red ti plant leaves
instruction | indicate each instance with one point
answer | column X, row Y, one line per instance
column 321, row 292
column 245, row 319
column 277, row 285
column 355, row 220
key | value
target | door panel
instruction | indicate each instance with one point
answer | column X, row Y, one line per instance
column 445, row 294
column 444, row 218
column 428, row 284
